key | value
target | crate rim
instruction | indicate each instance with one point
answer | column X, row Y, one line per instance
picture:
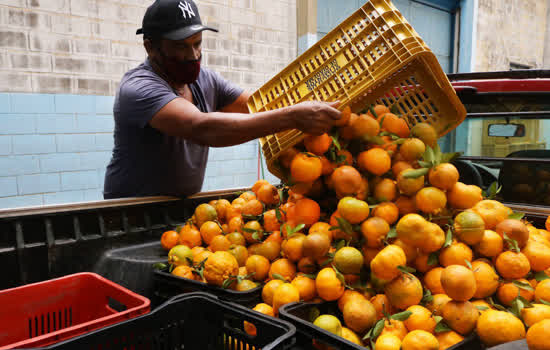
column 145, row 304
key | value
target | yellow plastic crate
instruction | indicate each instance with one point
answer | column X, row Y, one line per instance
column 374, row 56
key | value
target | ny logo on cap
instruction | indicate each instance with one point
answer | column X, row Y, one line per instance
column 185, row 7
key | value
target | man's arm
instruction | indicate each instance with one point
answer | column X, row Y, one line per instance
column 219, row 129
column 239, row 105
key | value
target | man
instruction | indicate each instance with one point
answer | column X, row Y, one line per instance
column 169, row 110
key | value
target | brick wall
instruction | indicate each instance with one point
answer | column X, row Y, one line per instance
column 511, row 31
column 60, row 63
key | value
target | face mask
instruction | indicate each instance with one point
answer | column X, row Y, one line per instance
column 181, row 72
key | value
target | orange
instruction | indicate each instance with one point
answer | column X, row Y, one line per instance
column 399, row 166
column 293, row 248
column 508, row 291
column 284, row 268
column 385, row 190
column 219, row 243
column 220, row 266
column 448, row 339
column 327, row 167
column 244, row 285
column 284, row 294
column 259, row 184
column 387, row 145
column 455, row 254
column 463, row 196
column 492, row 212
column 238, row 201
column 261, row 308
column 542, row 292
column 410, row 252
column 379, row 111
column 307, row 265
column 406, row 205
column 305, row 286
column 190, row 236
column 250, row 228
column 387, row 211
column 381, row 304
column 344, row 117
column 376, row 161
column 359, row 314
column 404, row 291
column 270, row 249
column 419, row 340
column 394, row 327
column 388, row 342
column 316, row 245
column 374, row 231
column 201, row 256
column 321, row 227
column 318, row 144
column 409, row 186
column 547, row 224
column 348, row 157
column 535, row 314
column 416, row 231
column 486, row 279
column 235, row 224
column 458, row 282
column 205, row 212
column 253, row 207
column 271, row 223
column 236, row 238
column 511, row 265
column 421, row 318
column 275, row 237
column 221, row 208
column 269, row 290
column 169, row 240
column 350, row 336
column 346, row 180
column 209, row 230
column 259, row 266
column 392, row 123
column 385, row 263
column 443, row 176
column 491, row 244
column 537, row 335
column 248, row 196
column 421, row 262
column 305, row 167
column 412, row 149
column 498, row 327
column 430, row 200
column 436, row 305
column 353, row 210
column 469, row 227
column 329, row 287
column 347, row 296
column 426, row 133
column 287, row 156
column 184, row 272
column 514, row 229
column 461, row 316
column 240, row 253
column 365, row 125
column 432, row 280
column 268, row 194
column 538, row 255
column 307, row 211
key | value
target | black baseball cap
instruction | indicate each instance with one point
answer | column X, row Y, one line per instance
column 172, row 20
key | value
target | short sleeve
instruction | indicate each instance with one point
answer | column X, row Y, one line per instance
column 140, row 98
column 226, row 91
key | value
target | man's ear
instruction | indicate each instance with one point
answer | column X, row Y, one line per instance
column 148, row 44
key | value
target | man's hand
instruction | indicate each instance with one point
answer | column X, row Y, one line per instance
column 316, row 118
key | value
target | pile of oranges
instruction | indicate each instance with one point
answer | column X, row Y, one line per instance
column 373, row 216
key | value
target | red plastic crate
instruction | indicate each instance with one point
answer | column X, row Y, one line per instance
column 47, row 312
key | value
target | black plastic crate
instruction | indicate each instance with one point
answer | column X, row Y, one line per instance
column 190, row 321
column 301, row 315
column 167, row 285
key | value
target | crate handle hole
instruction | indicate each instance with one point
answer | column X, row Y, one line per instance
column 116, row 305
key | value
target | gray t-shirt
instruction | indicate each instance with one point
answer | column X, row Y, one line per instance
column 146, row 162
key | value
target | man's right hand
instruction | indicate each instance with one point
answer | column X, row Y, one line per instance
column 316, row 118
